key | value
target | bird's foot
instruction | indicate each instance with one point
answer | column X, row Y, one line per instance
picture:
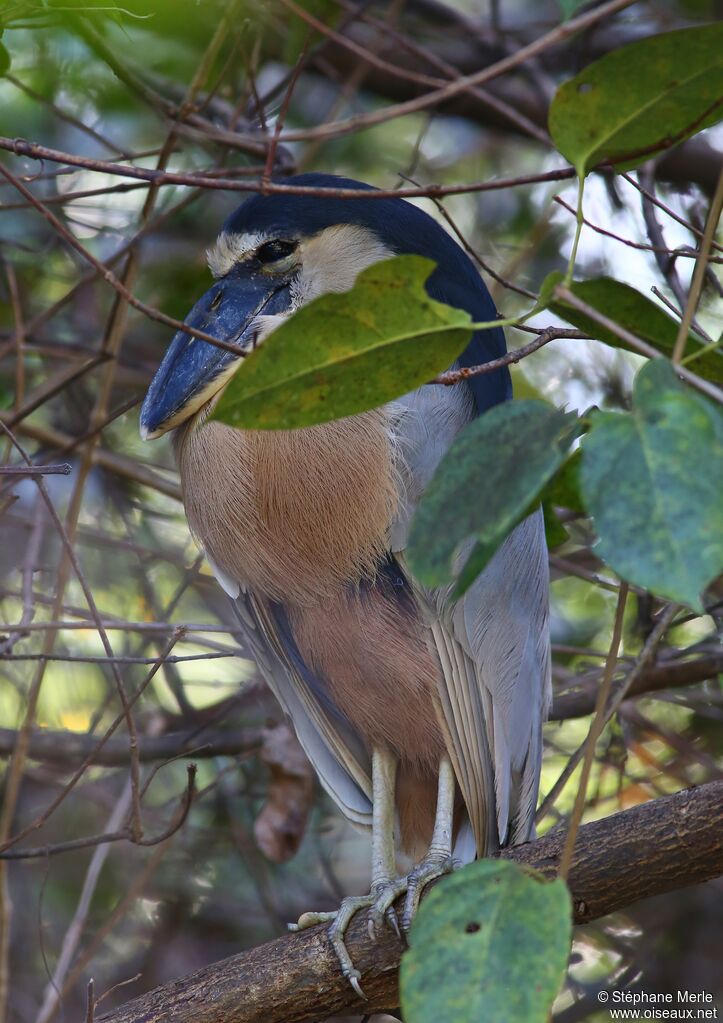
column 431, row 867
column 380, row 903
column 340, row 919
column 413, row 884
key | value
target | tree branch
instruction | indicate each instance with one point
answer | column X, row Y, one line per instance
column 664, row 675
column 466, row 52
column 70, row 747
column 663, row 845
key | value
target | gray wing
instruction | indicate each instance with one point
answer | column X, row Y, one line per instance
column 493, row 644
column 331, row 744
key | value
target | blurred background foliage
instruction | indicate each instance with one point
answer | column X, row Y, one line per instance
column 260, row 842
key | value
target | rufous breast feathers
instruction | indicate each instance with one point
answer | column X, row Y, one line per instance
column 293, row 514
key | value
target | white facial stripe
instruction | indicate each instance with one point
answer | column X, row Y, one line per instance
column 332, row 260
column 230, row 249
column 265, row 325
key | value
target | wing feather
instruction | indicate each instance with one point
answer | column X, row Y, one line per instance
column 331, row 744
column 492, row 645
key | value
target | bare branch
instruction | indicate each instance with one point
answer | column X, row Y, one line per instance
column 70, row 747
column 663, row 845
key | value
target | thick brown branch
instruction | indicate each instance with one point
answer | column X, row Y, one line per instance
column 654, row 848
column 673, row 675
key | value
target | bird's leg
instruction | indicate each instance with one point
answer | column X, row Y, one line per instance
column 384, row 770
column 437, row 860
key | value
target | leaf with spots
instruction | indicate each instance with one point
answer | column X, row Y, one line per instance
column 652, row 480
column 490, row 478
column 490, row 942
column 345, row 353
column 638, row 314
column 640, row 99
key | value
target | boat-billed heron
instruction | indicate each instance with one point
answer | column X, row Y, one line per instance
column 422, row 716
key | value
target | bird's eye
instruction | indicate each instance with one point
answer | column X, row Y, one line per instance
column 274, row 251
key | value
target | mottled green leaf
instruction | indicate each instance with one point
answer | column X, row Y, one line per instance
column 490, row 943
column 638, row 314
column 344, row 353
column 488, row 480
column 640, row 99
column 653, row 482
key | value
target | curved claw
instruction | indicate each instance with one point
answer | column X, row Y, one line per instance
column 374, row 924
column 347, row 910
column 391, row 917
column 353, row 979
column 380, row 903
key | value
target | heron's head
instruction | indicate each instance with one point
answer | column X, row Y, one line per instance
column 278, row 252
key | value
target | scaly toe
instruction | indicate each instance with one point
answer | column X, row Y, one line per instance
column 311, row 920
column 419, row 878
column 342, row 919
column 382, row 909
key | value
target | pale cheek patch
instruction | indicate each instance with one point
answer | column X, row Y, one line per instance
column 230, row 249
column 333, row 259
column 265, row 325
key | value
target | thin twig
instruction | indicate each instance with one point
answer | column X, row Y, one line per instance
column 699, row 271
column 108, row 275
column 88, row 760
column 596, row 727
column 454, row 376
column 705, row 386
column 36, row 470
column 21, row 147
column 643, row 660
column 73, row 934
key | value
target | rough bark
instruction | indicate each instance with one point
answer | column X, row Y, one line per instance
column 666, row 844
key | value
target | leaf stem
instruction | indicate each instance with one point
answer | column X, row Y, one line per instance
column 578, row 230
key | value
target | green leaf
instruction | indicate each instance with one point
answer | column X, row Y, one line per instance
column 345, row 353
column 652, row 480
column 487, row 482
column 563, row 491
column 555, row 532
column 300, row 35
column 4, row 60
column 638, row 314
column 564, row 488
column 490, row 942
column 568, row 7
column 640, row 99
